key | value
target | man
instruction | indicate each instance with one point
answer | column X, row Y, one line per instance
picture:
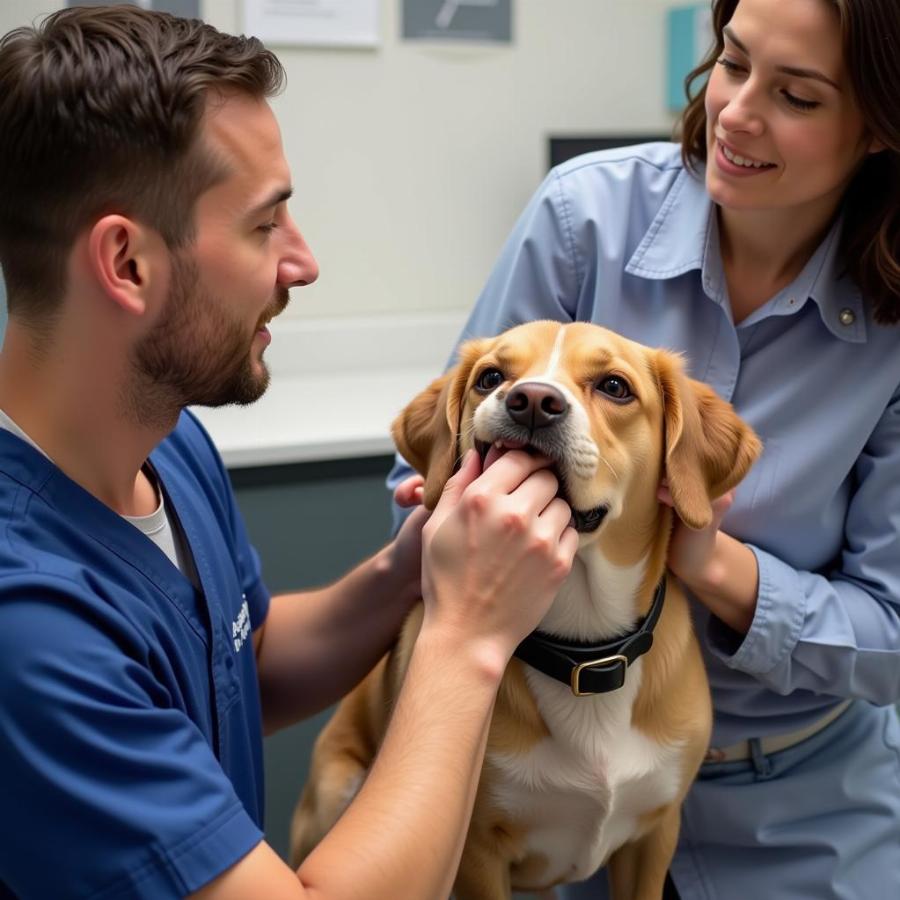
column 146, row 242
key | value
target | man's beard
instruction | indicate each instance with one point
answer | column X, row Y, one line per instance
column 195, row 354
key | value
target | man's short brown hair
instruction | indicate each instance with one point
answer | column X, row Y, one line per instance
column 100, row 110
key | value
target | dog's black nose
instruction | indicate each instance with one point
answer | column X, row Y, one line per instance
column 536, row 405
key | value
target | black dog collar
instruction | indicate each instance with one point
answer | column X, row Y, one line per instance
column 592, row 668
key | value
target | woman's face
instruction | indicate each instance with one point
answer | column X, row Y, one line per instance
column 783, row 127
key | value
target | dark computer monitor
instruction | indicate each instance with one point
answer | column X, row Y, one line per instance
column 563, row 148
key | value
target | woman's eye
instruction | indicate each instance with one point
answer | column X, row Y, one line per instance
column 797, row 103
column 615, row 387
column 728, row 65
column 489, row 380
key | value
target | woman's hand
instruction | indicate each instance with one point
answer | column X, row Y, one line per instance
column 410, row 491
column 692, row 552
column 720, row 571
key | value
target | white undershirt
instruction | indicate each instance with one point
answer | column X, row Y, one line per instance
column 156, row 526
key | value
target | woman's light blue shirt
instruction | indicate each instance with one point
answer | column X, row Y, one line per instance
column 628, row 239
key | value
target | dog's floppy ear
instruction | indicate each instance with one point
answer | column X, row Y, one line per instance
column 427, row 430
column 708, row 447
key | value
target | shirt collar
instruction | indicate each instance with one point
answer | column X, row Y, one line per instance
column 837, row 295
column 684, row 236
column 676, row 241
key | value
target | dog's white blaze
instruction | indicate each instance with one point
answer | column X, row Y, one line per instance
column 555, row 354
column 584, row 789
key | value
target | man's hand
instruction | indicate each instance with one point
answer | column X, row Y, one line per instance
column 405, row 551
column 495, row 551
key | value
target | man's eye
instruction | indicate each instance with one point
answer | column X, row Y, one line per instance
column 268, row 228
column 489, row 380
column 616, row 388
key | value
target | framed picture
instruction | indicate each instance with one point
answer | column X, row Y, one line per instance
column 313, row 23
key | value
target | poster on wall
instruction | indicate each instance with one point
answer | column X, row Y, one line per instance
column 316, row 23
column 458, row 20
column 189, row 9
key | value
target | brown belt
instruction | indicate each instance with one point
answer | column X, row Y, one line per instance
column 774, row 742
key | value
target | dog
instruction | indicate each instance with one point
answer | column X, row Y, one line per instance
column 603, row 716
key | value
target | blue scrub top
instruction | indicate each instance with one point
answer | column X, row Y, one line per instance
column 131, row 752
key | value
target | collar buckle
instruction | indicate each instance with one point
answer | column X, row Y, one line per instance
column 618, row 660
column 590, row 668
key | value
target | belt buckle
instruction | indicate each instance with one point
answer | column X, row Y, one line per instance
column 576, row 672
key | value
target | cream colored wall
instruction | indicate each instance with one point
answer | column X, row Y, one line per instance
column 412, row 161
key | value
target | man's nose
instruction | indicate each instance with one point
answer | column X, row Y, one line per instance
column 297, row 266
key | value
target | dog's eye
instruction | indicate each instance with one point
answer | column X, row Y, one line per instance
column 489, row 380
column 615, row 387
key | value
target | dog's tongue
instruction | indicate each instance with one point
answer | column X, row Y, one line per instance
column 494, row 453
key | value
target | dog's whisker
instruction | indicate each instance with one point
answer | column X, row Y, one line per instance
column 608, row 465
column 469, row 433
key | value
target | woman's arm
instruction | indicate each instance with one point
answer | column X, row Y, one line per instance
column 833, row 632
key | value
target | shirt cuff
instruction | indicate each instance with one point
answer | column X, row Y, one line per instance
column 776, row 626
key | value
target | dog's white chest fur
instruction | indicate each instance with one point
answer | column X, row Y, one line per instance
column 582, row 791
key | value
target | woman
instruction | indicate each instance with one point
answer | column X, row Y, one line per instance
column 767, row 249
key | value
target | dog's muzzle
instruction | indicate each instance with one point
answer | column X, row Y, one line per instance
column 535, row 412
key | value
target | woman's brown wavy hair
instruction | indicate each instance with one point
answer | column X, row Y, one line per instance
column 871, row 236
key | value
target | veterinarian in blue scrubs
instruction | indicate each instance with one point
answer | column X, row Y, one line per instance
column 146, row 244
column 766, row 248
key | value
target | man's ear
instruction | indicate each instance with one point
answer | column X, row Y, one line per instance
column 427, row 431
column 124, row 257
column 708, row 447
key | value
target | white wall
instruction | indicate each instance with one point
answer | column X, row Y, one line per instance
column 412, row 160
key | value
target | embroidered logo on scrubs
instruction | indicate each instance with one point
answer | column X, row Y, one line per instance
column 240, row 628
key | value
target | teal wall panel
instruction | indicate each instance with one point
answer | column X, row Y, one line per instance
column 688, row 37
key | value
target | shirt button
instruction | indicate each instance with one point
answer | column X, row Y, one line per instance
column 847, row 317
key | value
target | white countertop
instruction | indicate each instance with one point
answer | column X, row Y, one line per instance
column 336, row 387
column 314, row 418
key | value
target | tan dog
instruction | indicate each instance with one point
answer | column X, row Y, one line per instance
column 572, row 779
